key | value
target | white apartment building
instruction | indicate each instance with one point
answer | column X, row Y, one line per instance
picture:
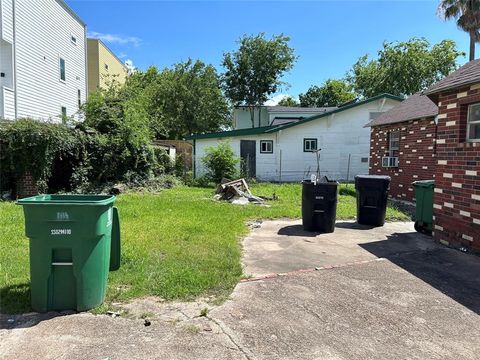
column 43, row 61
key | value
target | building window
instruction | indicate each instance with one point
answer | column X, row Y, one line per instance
column 106, row 67
column 266, row 146
column 79, row 98
column 473, row 122
column 393, row 143
column 64, row 114
column 62, row 69
column 73, row 39
column 309, row 145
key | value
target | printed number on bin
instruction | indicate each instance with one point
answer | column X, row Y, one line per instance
column 319, row 197
column 61, row 232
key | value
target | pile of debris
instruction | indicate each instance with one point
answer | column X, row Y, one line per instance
column 237, row 192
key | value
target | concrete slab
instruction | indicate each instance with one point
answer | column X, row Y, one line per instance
column 282, row 246
column 375, row 310
column 87, row 336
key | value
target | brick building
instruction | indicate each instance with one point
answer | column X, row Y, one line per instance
column 457, row 180
column 402, row 144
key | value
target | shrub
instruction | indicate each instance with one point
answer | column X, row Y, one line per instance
column 123, row 136
column 221, row 162
column 42, row 150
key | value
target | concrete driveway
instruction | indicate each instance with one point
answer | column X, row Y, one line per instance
column 360, row 293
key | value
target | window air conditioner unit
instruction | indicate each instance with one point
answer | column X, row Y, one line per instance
column 389, row 161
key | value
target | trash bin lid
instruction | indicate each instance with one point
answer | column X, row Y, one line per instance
column 424, row 183
column 373, row 177
column 91, row 200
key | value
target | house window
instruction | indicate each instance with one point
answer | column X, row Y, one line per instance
column 393, row 143
column 309, row 145
column 106, row 67
column 79, row 98
column 64, row 114
column 266, row 146
column 73, row 39
column 62, row 69
column 473, row 122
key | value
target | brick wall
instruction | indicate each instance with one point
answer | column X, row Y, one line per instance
column 26, row 186
column 457, row 189
column 416, row 155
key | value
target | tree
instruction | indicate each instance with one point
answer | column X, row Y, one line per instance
column 467, row 14
column 404, row 68
column 330, row 93
column 182, row 100
column 288, row 101
column 253, row 72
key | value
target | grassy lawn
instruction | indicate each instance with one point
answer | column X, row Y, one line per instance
column 177, row 244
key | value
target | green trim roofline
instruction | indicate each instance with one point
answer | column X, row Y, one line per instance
column 272, row 129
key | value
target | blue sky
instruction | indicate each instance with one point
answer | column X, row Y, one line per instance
column 328, row 36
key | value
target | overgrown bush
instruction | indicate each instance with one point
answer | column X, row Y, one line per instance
column 61, row 158
column 221, row 162
column 121, row 125
column 41, row 150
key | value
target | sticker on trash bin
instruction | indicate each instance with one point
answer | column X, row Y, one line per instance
column 60, row 231
column 319, row 197
column 62, row 215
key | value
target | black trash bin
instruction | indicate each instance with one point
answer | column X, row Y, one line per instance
column 372, row 194
column 319, row 205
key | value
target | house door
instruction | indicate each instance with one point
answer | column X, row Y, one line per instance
column 248, row 154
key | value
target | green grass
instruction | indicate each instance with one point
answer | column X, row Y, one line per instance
column 177, row 244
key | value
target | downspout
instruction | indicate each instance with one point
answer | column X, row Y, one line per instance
column 86, row 61
column 14, row 60
column 194, row 158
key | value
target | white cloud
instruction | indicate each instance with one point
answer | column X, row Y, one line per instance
column 114, row 38
column 130, row 66
column 122, row 55
column 276, row 99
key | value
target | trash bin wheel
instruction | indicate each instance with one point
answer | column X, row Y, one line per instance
column 419, row 228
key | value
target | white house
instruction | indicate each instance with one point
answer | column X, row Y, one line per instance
column 273, row 115
column 285, row 152
column 42, row 60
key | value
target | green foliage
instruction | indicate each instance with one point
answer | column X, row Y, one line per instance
column 253, row 72
column 123, row 136
column 28, row 146
column 221, row 162
column 181, row 100
column 467, row 15
column 331, row 93
column 404, row 68
column 288, row 101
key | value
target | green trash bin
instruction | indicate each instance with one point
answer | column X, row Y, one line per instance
column 424, row 205
column 72, row 238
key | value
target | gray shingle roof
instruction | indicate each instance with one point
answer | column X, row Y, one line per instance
column 294, row 109
column 465, row 75
column 416, row 106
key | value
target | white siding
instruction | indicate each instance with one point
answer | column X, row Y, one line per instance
column 339, row 136
column 266, row 163
column 6, row 17
column 7, row 104
column 6, row 64
column 43, row 31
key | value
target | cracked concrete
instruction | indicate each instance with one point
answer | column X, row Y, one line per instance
column 382, row 293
